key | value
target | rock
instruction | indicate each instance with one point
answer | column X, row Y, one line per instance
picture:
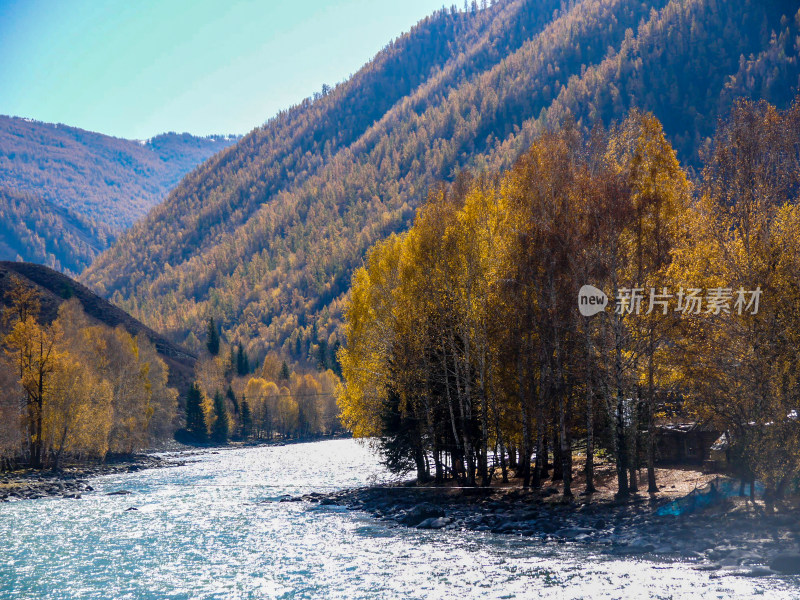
column 545, row 526
column 635, row 546
column 505, row 527
column 703, row 545
column 720, row 552
column 434, row 523
column 119, row 493
column 599, row 524
column 756, row 572
column 416, row 515
column 571, row 533
column 786, row 563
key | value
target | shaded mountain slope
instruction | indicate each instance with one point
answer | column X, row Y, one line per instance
column 111, row 180
column 34, row 230
column 66, row 193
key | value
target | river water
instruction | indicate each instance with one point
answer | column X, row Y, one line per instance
column 213, row 529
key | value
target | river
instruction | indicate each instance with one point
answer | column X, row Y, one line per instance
column 214, row 528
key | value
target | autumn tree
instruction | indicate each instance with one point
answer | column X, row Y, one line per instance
column 738, row 356
column 78, row 413
column 35, row 351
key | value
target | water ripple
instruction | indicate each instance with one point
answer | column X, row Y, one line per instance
column 212, row 529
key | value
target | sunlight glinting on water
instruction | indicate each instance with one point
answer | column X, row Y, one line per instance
column 214, row 529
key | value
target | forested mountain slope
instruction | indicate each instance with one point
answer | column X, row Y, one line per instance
column 35, row 230
column 264, row 236
column 111, row 180
column 65, row 193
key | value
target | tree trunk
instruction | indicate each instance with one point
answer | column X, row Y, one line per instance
column 621, row 444
column 524, row 465
column 589, row 467
column 566, row 452
column 422, row 468
column 542, row 451
column 512, row 457
column 503, row 465
column 652, row 487
column 558, row 459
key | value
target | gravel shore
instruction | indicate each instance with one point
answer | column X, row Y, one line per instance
column 72, row 482
column 733, row 538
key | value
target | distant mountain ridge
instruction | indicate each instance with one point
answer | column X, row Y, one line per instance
column 71, row 178
column 264, row 236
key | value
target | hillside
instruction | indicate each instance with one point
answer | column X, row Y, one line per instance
column 80, row 188
column 53, row 288
column 35, row 230
column 264, row 237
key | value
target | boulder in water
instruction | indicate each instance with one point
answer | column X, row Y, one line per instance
column 786, row 563
column 434, row 523
column 416, row 515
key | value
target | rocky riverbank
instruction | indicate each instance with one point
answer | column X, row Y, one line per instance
column 734, row 538
column 72, row 482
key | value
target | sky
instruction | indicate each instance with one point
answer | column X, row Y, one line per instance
column 134, row 69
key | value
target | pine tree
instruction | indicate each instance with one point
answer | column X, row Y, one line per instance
column 247, row 420
column 235, row 401
column 336, row 366
column 231, row 368
column 219, row 433
column 285, row 372
column 242, row 363
column 212, row 342
column 195, row 417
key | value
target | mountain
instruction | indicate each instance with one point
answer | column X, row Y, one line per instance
column 54, row 288
column 36, row 230
column 264, row 236
column 69, row 192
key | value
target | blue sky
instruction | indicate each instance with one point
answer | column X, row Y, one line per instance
column 137, row 68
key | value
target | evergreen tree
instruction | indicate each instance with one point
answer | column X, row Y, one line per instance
column 336, row 366
column 232, row 362
column 247, row 420
column 195, row 418
column 242, row 363
column 232, row 397
column 219, row 433
column 322, row 354
column 285, row 372
column 212, row 341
